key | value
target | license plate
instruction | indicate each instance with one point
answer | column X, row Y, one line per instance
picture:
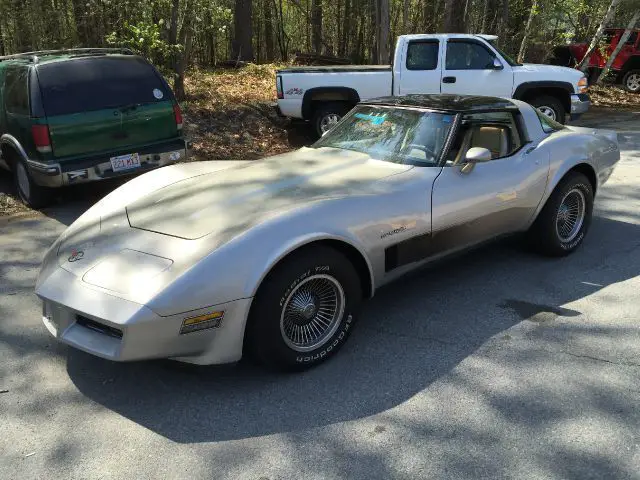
column 125, row 162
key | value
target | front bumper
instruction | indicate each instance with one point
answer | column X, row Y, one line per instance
column 116, row 329
column 580, row 103
column 93, row 168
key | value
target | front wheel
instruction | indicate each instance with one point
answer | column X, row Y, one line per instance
column 631, row 81
column 304, row 310
column 551, row 107
column 564, row 221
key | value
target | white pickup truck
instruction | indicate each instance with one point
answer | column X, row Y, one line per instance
column 447, row 63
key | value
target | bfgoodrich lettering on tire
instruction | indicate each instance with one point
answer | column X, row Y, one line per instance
column 304, row 310
column 564, row 221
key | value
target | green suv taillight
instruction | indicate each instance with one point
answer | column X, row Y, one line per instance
column 41, row 138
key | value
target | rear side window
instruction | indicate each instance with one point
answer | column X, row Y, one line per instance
column 422, row 55
column 16, row 91
column 87, row 84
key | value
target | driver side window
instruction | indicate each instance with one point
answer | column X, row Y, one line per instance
column 465, row 55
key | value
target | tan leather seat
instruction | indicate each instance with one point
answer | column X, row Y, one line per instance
column 494, row 139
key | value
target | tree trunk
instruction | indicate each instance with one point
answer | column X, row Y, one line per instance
column 383, row 31
column 405, row 17
column 316, row 26
column 373, row 5
column 242, row 47
column 584, row 63
column 527, row 31
column 343, row 47
column 268, row 31
column 623, row 39
column 173, row 28
column 186, row 38
column 485, row 10
column 453, row 16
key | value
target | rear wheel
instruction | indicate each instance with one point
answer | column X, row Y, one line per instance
column 551, row 107
column 304, row 310
column 31, row 194
column 326, row 116
column 564, row 221
column 631, row 81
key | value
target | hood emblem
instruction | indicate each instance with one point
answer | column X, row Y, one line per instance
column 76, row 255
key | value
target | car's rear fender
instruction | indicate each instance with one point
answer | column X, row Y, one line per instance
column 593, row 154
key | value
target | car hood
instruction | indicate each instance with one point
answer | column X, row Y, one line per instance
column 539, row 72
column 227, row 202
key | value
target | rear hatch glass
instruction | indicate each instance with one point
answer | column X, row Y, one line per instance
column 105, row 104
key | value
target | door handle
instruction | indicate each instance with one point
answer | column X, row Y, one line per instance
column 448, row 79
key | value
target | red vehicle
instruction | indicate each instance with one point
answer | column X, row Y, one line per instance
column 626, row 65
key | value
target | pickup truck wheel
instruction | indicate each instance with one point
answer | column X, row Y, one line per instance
column 304, row 310
column 30, row 193
column 631, row 81
column 551, row 107
column 326, row 116
column 563, row 222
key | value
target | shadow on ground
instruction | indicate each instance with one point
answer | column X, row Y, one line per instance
column 390, row 357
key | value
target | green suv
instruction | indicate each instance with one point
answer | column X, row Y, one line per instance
column 73, row 116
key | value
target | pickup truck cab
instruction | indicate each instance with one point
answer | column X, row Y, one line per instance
column 461, row 64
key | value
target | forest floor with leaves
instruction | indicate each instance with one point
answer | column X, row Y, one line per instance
column 230, row 114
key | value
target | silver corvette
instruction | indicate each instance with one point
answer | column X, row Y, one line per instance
column 204, row 262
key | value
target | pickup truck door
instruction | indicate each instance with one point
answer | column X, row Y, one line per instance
column 420, row 66
column 472, row 67
column 494, row 197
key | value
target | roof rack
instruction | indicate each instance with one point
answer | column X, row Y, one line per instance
column 33, row 56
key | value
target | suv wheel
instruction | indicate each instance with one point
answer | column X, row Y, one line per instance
column 551, row 107
column 631, row 81
column 31, row 194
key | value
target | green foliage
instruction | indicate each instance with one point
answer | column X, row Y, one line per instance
column 146, row 39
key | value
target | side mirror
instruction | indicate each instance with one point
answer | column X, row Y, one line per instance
column 473, row 156
column 497, row 64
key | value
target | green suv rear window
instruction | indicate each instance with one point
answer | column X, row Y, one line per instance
column 97, row 83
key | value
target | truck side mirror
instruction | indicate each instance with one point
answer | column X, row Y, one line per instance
column 497, row 64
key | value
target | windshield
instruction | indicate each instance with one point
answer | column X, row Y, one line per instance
column 398, row 135
column 504, row 55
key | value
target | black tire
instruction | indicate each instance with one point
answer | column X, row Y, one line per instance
column 265, row 338
column 323, row 112
column 544, row 102
column 544, row 235
column 631, row 81
column 29, row 192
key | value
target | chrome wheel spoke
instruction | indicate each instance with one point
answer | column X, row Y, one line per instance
column 312, row 312
column 570, row 216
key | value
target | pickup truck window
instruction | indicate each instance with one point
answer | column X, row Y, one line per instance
column 505, row 55
column 397, row 135
column 468, row 55
column 423, row 55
